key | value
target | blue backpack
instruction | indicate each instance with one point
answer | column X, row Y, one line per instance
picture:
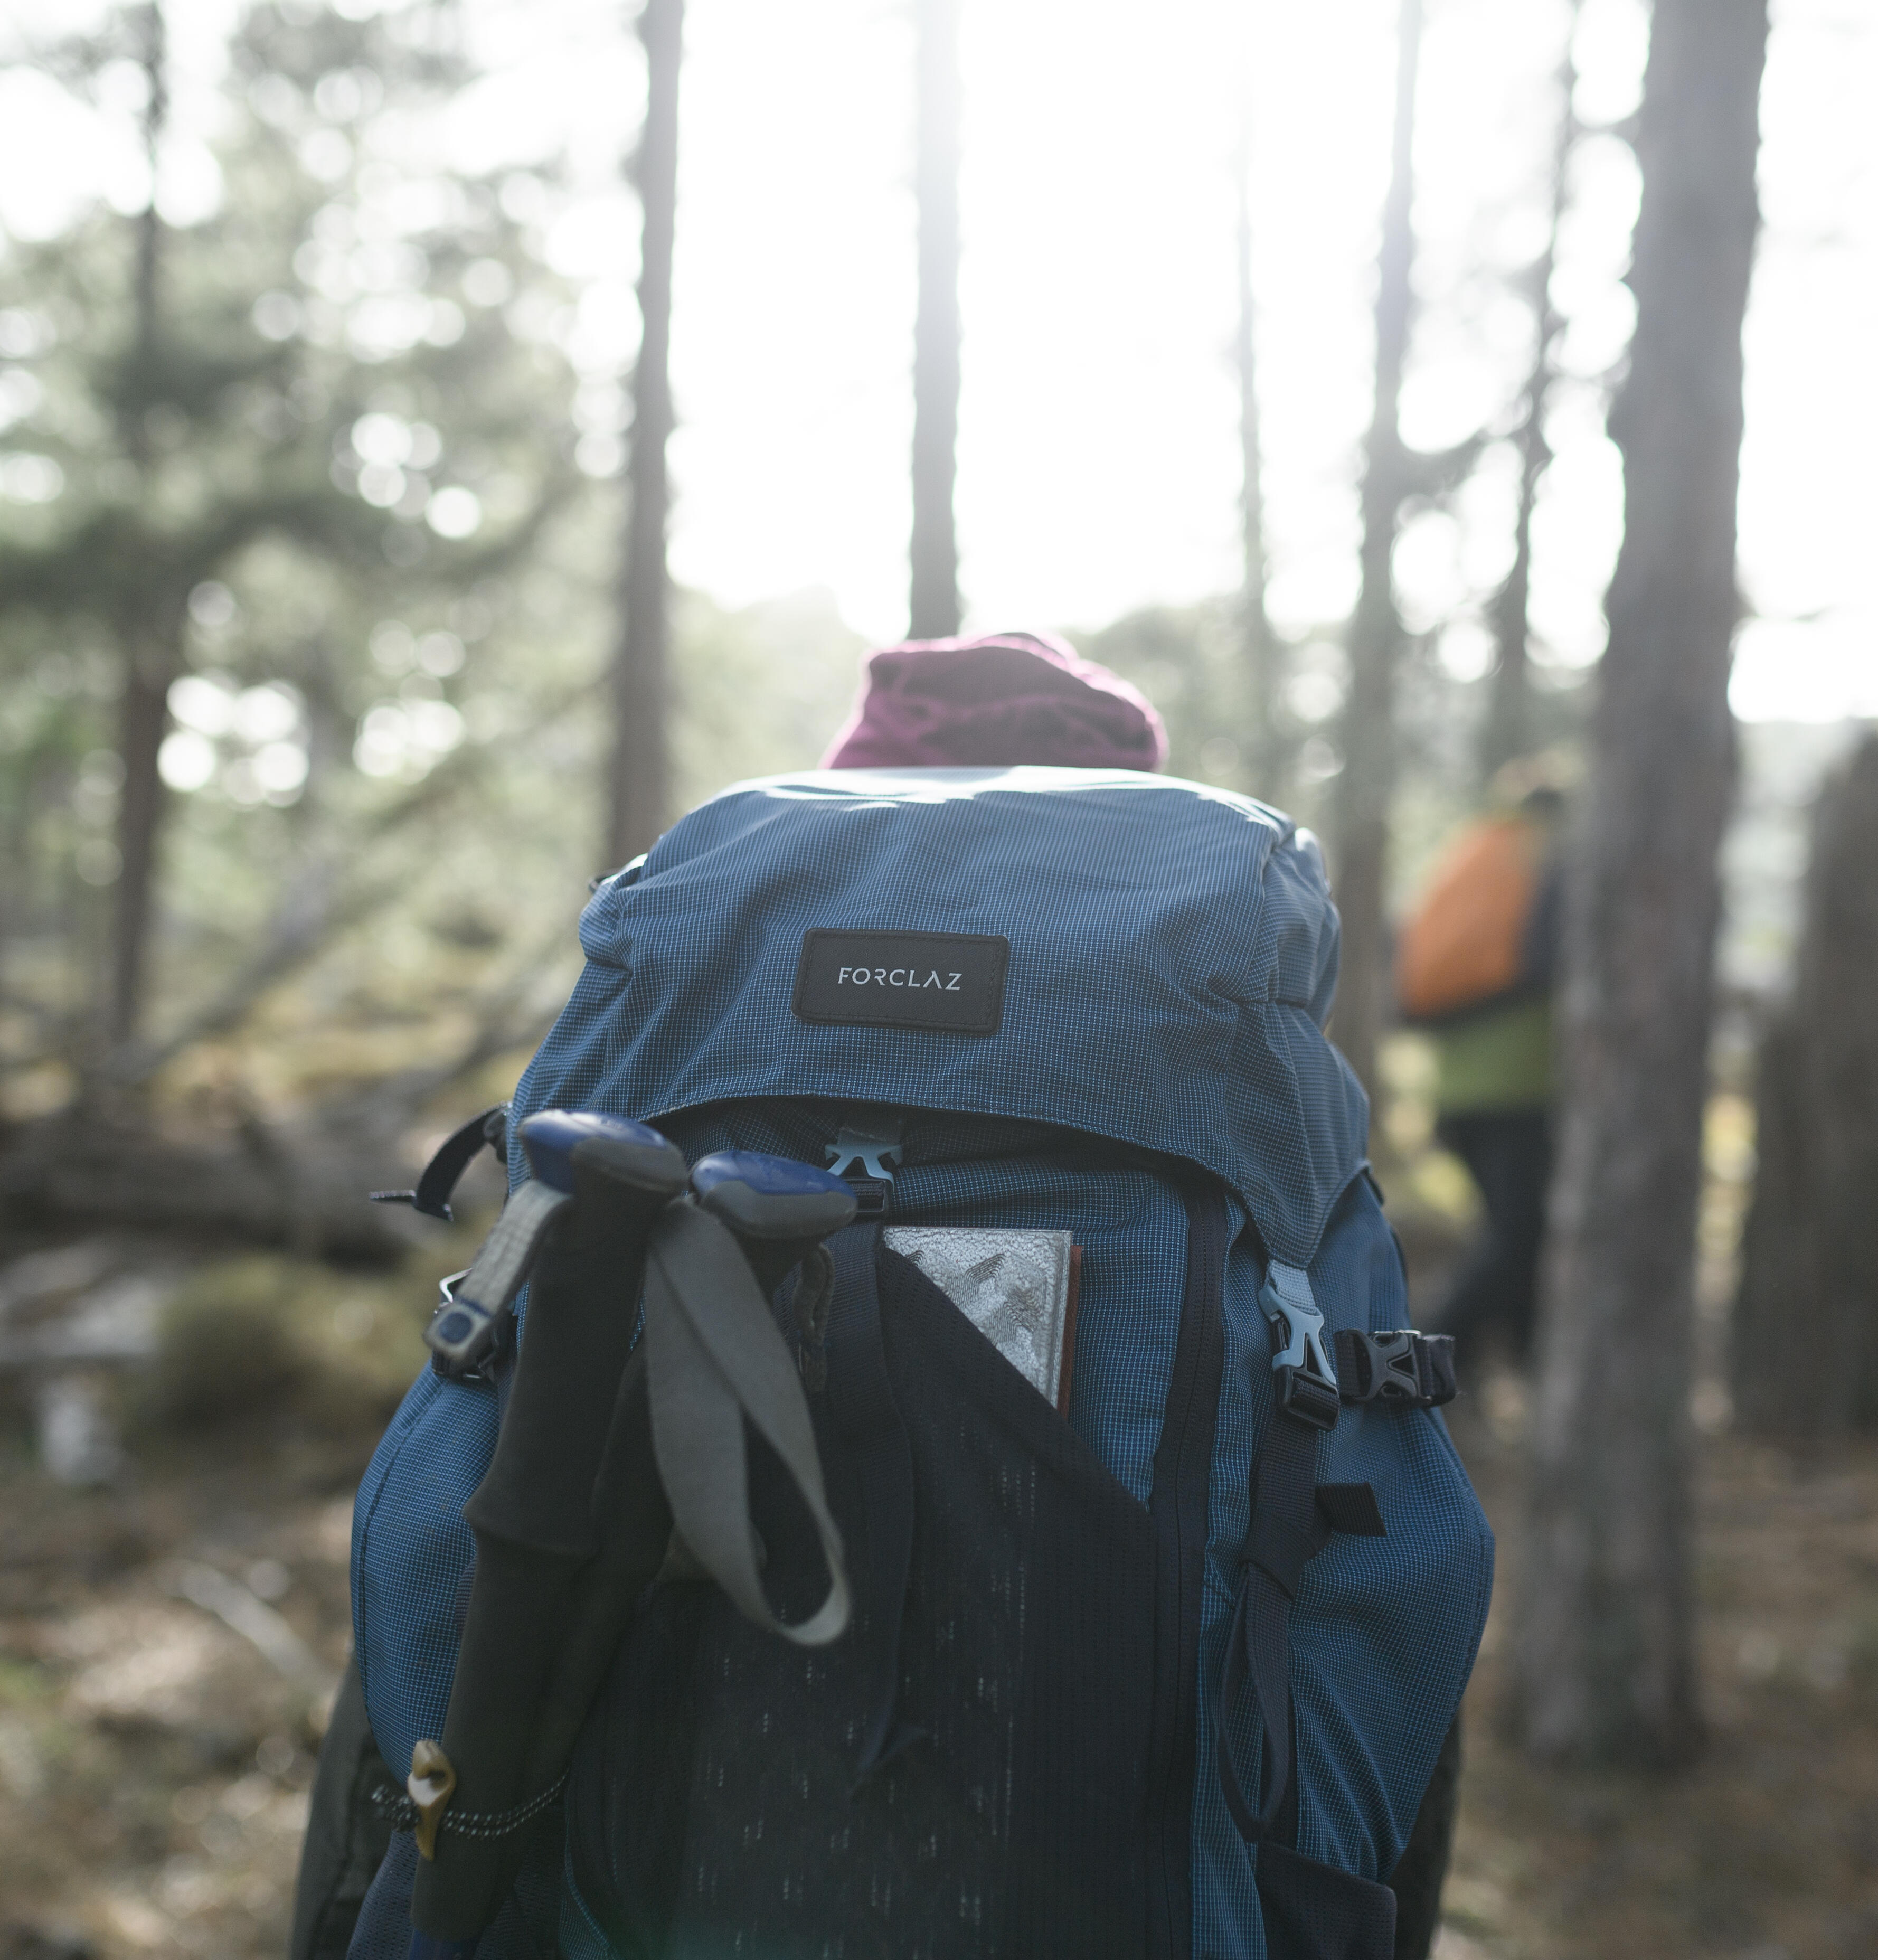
column 1157, row 1661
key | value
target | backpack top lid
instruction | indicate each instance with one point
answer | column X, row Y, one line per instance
column 1169, row 960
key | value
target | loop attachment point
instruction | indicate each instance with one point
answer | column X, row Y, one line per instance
column 1402, row 1368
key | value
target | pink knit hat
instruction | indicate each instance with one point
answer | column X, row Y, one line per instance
column 990, row 703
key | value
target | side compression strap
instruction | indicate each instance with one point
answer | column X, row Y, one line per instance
column 1292, row 1518
column 1285, row 1534
column 452, row 1157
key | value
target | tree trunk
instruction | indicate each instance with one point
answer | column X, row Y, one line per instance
column 640, row 780
column 149, row 667
column 150, row 659
column 1270, row 759
column 1605, row 1665
column 1508, row 730
column 1806, row 1326
column 935, row 551
column 1365, row 783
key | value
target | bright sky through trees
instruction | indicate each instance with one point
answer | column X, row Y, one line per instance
column 1098, row 457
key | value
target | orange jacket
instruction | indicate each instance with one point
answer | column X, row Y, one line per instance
column 1481, row 932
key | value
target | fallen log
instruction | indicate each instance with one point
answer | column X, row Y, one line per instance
column 260, row 1186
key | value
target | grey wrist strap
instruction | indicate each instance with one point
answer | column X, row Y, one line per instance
column 714, row 1356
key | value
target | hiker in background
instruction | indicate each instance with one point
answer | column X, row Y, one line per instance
column 1476, row 964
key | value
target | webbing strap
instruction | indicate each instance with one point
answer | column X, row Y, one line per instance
column 472, row 1323
column 714, row 1357
column 489, row 1128
column 1178, row 1504
column 1292, row 1517
column 1286, row 1530
column 863, row 1411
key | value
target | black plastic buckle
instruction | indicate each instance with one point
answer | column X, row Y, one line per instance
column 870, row 1197
column 1305, row 1396
column 867, row 1152
column 1303, row 1376
column 1401, row 1368
column 492, row 1351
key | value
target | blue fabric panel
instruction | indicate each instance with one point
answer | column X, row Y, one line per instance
column 1384, row 1631
column 1154, row 924
column 410, row 1549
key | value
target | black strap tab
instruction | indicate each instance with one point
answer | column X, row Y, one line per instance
column 1401, row 1368
column 1280, row 1548
column 1351, row 1508
column 452, row 1157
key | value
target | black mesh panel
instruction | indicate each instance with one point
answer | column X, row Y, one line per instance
column 1010, row 1701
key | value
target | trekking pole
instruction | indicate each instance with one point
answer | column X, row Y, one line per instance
column 779, row 1212
column 603, row 1182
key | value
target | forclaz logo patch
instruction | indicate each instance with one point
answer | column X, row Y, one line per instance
column 939, row 980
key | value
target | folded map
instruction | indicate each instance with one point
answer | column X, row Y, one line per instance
column 1017, row 1288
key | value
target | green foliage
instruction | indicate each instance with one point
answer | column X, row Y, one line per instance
column 1186, row 660
column 760, row 691
column 225, row 1347
column 331, row 478
column 265, row 1339
column 244, row 463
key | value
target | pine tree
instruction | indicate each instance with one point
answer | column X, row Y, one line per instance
column 1605, row 1653
column 266, row 434
column 641, row 785
column 935, row 608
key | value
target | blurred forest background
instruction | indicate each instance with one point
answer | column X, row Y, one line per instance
column 341, row 645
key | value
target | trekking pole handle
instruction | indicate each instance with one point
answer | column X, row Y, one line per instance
column 778, row 1211
column 470, row 1322
column 615, row 1176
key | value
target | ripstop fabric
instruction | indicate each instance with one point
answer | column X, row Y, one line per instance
column 1173, row 953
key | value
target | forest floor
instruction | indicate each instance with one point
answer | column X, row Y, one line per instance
column 155, row 1759
column 1767, row 1849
